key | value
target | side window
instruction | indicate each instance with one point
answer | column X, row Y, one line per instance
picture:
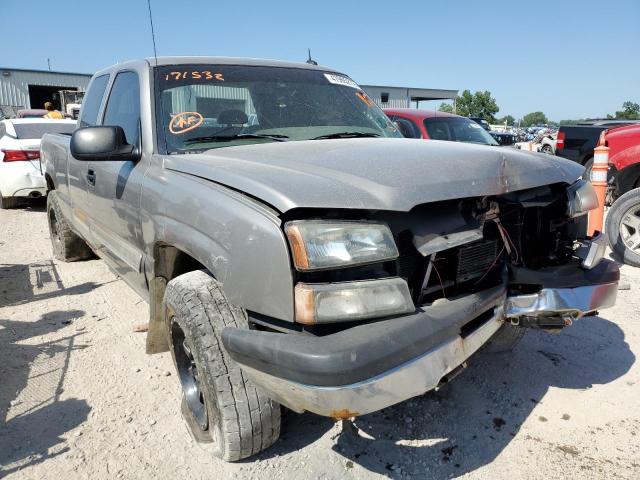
column 3, row 130
column 437, row 129
column 123, row 106
column 407, row 128
column 92, row 101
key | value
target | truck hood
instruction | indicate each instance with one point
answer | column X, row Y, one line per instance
column 372, row 173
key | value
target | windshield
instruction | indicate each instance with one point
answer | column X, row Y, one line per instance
column 34, row 131
column 457, row 129
column 212, row 106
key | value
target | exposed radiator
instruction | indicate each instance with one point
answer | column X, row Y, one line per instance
column 475, row 259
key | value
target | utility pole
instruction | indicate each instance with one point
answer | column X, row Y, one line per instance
column 49, row 64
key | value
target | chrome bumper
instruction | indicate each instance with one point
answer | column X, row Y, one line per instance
column 412, row 378
column 572, row 302
column 425, row 372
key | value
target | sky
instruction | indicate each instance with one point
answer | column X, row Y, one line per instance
column 569, row 59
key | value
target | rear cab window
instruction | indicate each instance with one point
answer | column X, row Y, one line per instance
column 93, row 100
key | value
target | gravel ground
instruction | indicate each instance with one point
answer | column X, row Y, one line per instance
column 80, row 399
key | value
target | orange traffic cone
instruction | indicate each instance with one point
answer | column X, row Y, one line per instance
column 599, row 182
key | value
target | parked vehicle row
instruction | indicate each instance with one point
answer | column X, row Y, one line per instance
column 296, row 251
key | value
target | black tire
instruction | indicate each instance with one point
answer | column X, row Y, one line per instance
column 9, row 202
column 505, row 339
column 588, row 166
column 66, row 245
column 222, row 409
column 547, row 149
column 624, row 238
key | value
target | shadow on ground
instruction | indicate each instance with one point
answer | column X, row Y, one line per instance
column 20, row 283
column 32, row 416
column 466, row 424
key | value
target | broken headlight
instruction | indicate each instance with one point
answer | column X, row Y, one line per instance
column 324, row 244
column 582, row 198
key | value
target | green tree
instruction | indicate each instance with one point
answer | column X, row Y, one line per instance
column 508, row 119
column 630, row 111
column 478, row 104
column 534, row 118
column 446, row 107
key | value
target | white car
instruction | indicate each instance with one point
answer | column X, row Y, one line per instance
column 20, row 175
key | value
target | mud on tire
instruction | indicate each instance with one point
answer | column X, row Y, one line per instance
column 66, row 245
column 221, row 407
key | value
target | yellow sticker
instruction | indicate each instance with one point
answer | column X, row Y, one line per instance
column 185, row 121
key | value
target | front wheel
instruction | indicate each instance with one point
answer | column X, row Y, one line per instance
column 547, row 149
column 623, row 227
column 222, row 409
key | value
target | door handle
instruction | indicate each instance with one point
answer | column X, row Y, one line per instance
column 91, row 177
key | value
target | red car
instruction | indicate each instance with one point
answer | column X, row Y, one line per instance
column 624, row 156
column 623, row 219
column 429, row 124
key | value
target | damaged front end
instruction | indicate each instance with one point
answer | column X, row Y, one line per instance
column 397, row 304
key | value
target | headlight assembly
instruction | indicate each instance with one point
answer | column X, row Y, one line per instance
column 325, row 244
column 582, row 198
column 349, row 301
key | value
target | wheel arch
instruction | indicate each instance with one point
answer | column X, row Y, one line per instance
column 49, row 180
column 169, row 262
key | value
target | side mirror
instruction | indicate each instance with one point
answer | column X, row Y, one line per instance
column 102, row 143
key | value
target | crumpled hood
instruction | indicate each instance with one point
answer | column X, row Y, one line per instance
column 372, row 173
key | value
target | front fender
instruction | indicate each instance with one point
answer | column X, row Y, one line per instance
column 239, row 240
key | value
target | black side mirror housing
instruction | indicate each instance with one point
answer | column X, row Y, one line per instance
column 102, row 143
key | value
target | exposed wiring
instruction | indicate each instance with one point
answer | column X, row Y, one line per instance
column 495, row 260
column 444, row 295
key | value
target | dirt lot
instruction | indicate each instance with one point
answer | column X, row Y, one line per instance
column 80, row 399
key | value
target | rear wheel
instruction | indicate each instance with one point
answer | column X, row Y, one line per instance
column 547, row 149
column 9, row 202
column 588, row 166
column 623, row 227
column 221, row 408
column 66, row 245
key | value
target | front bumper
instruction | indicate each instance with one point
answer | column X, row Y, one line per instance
column 372, row 366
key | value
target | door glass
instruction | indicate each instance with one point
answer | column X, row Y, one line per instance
column 92, row 101
column 123, row 106
column 407, row 128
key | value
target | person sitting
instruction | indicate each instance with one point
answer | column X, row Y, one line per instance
column 52, row 112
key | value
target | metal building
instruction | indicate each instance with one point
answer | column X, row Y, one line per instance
column 402, row 97
column 22, row 88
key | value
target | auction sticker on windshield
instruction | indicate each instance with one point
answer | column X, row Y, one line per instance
column 185, row 122
column 341, row 80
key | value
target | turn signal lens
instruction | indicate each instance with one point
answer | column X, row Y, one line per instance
column 349, row 301
column 582, row 198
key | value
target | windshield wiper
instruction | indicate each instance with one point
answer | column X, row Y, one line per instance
column 229, row 138
column 346, row 135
